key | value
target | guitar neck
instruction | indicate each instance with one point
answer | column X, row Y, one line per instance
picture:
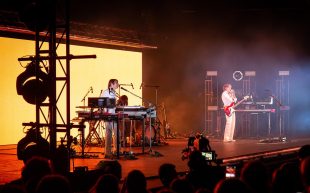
column 238, row 103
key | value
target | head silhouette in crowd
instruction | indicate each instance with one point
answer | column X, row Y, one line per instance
column 304, row 152
column 256, row 176
column 167, row 173
column 135, row 182
column 53, row 183
column 107, row 183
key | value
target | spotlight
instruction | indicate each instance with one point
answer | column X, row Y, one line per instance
column 31, row 88
column 32, row 144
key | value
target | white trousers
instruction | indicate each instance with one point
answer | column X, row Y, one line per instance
column 230, row 127
column 110, row 136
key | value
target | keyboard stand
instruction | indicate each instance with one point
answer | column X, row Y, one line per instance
column 93, row 134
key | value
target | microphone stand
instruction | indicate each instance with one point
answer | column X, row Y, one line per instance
column 83, row 99
column 156, row 100
column 280, row 105
column 123, row 120
column 143, row 100
column 150, row 122
column 277, row 100
column 156, row 91
column 83, row 136
column 119, row 88
column 272, row 140
column 156, row 103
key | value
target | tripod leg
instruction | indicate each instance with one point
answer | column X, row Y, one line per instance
column 82, row 137
column 93, row 134
column 90, row 133
column 130, row 135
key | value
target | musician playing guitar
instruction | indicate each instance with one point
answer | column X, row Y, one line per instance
column 229, row 99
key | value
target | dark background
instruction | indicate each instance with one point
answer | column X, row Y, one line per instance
column 195, row 36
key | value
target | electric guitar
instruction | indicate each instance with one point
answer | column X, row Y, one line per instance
column 230, row 108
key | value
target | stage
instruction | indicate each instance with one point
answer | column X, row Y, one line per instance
column 149, row 162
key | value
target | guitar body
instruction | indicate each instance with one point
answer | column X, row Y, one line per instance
column 228, row 109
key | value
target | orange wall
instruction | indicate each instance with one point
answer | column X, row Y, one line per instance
column 126, row 66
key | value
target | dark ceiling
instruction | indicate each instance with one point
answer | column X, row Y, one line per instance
column 159, row 16
column 151, row 14
column 173, row 20
column 165, row 19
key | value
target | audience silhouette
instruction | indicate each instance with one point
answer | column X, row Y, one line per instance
column 304, row 152
column 287, row 179
column 305, row 173
column 256, row 176
column 38, row 176
column 135, row 182
column 107, row 183
column 181, row 186
column 53, row 183
column 167, row 173
column 231, row 185
column 201, row 174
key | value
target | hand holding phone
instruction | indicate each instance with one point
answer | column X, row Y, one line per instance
column 209, row 155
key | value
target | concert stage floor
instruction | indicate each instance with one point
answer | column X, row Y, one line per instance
column 10, row 167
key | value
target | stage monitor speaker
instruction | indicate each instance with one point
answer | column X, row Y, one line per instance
column 84, row 179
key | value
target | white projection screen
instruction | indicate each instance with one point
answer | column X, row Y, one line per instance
column 126, row 66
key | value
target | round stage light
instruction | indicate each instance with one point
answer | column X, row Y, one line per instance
column 32, row 84
column 237, row 75
column 33, row 144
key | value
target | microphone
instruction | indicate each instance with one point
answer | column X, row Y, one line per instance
column 132, row 86
column 124, row 89
column 141, row 85
column 91, row 89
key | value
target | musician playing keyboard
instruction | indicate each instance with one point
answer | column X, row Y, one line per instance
column 110, row 126
column 125, row 126
column 122, row 101
column 229, row 97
